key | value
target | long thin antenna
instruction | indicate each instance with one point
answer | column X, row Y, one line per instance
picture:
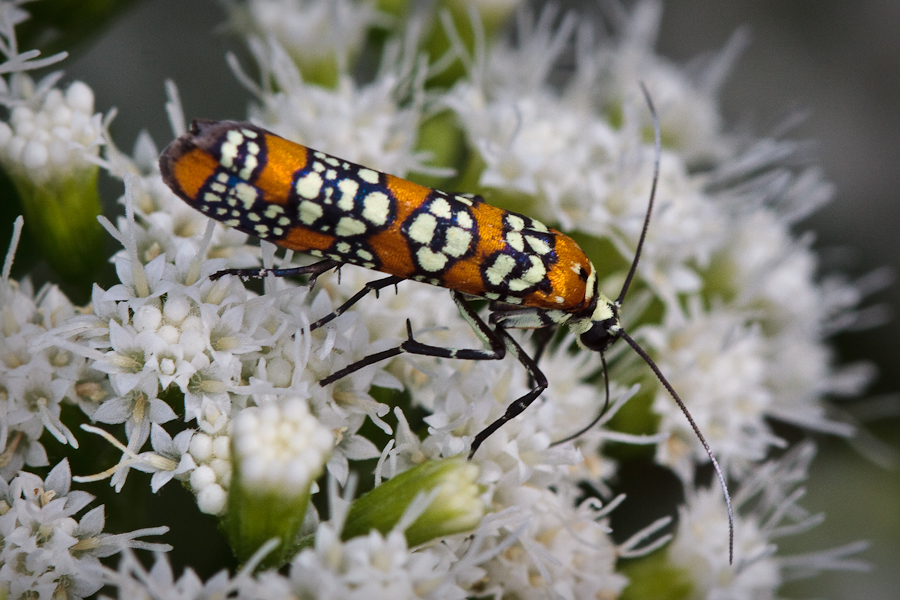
column 640, row 351
column 658, row 154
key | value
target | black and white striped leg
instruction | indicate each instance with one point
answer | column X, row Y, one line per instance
column 372, row 286
column 516, row 408
column 313, row 270
column 412, row 346
column 496, row 338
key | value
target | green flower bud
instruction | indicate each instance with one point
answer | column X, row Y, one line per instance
column 456, row 508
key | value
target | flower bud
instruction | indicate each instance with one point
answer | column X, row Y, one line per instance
column 456, row 508
column 47, row 151
column 278, row 451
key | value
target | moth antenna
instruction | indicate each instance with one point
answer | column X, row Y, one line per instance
column 640, row 351
column 657, row 155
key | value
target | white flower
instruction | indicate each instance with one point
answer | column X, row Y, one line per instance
column 561, row 549
column 278, row 451
column 772, row 275
column 766, row 509
column 35, row 380
column 132, row 580
column 717, row 361
column 36, row 396
column 371, row 567
column 373, row 124
column 43, row 549
column 690, row 117
column 169, row 458
column 320, row 35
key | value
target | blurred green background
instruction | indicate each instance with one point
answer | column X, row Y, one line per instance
column 839, row 61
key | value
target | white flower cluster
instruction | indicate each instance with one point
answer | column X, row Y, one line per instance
column 53, row 136
column 373, row 566
column 169, row 326
column 725, row 301
column 36, row 382
column 376, row 122
column 44, row 551
column 316, row 34
column 768, row 501
column 280, row 447
column 367, row 567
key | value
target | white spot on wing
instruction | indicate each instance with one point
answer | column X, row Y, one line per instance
column 246, row 193
column 273, row 210
column 538, row 245
column 309, row 212
column 368, row 175
column 348, row 189
column 376, row 208
column 422, row 228
column 348, row 226
column 309, row 185
column 440, row 208
column 538, row 226
column 229, row 148
column 502, row 267
column 537, row 271
column 458, row 241
column 514, row 239
column 430, row 261
column 250, row 163
column 516, row 222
